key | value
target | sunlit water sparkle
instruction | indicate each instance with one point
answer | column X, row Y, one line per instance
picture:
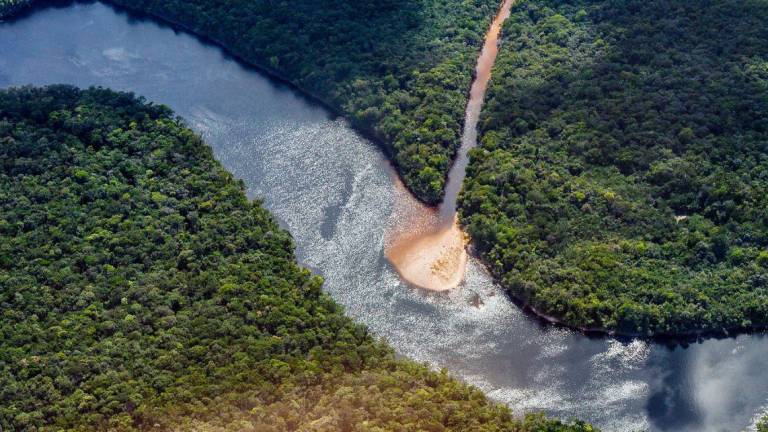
column 336, row 193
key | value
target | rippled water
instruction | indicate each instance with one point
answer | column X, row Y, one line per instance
column 335, row 192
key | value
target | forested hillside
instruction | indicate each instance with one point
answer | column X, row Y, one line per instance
column 398, row 69
column 622, row 179
column 140, row 289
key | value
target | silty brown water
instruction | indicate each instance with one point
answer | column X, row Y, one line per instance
column 428, row 248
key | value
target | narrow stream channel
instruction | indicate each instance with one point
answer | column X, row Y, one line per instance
column 337, row 195
column 428, row 248
column 476, row 98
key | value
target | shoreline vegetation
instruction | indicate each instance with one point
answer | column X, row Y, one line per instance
column 546, row 313
column 144, row 291
column 636, row 326
column 219, row 410
column 620, row 183
column 399, row 71
column 430, row 251
column 579, row 300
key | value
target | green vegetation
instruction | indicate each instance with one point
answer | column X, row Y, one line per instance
column 400, row 70
column 622, row 178
column 762, row 425
column 140, row 289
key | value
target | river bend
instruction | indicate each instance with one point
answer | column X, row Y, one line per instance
column 337, row 195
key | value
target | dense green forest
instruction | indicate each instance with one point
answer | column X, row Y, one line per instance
column 622, row 178
column 400, row 70
column 140, row 289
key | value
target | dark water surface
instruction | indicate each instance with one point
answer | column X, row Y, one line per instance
column 334, row 191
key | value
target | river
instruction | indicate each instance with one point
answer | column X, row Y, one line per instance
column 336, row 193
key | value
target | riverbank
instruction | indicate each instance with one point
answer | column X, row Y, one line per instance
column 441, row 279
column 270, row 348
column 401, row 79
column 30, row 7
column 433, row 255
column 579, row 213
column 728, row 331
column 389, row 78
column 333, row 191
column 682, row 338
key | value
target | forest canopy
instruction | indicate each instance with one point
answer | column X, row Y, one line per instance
column 140, row 289
column 399, row 70
column 622, row 179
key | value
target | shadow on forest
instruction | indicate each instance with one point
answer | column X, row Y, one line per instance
column 625, row 162
column 316, row 44
column 658, row 65
column 667, row 91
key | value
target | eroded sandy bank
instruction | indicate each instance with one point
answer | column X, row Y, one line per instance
column 427, row 246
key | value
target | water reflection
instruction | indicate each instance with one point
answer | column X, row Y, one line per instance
column 335, row 192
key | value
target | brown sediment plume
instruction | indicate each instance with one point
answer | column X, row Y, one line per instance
column 434, row 261
column 425, row 252
column 427, row 246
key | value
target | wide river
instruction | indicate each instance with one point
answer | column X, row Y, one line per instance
column 336, row 193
